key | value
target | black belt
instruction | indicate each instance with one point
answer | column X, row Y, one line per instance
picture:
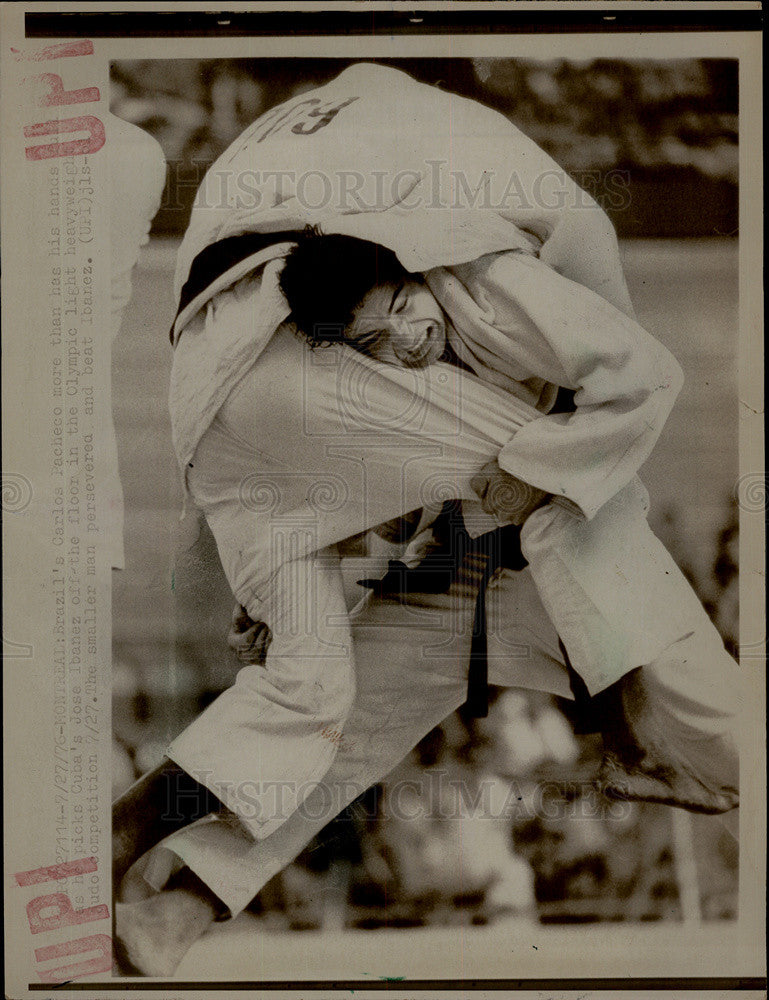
column 460, row 558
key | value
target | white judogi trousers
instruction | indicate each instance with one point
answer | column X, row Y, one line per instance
column 300, row 458
column 386, row 675
column 411, row 661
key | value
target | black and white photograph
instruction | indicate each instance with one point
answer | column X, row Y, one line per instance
column 386, row 746
column 423, row 429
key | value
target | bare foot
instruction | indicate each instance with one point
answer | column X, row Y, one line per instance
column 153, row 935
column 668, row 785
column 649, row 759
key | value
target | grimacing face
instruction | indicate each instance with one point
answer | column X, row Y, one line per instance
column 400, row 324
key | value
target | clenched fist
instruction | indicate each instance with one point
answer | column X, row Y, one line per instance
column 505, row 497
column 247, row 638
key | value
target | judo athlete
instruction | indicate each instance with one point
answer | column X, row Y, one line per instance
column 261, row 421
column 400, row 320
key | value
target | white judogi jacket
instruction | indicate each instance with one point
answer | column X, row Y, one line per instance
column 415, row 156
column 519, row 324
column 289, row 451
column 260, row 422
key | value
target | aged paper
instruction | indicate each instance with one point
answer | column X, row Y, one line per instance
column 486, row 859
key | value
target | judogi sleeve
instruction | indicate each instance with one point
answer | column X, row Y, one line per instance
column 518, row 316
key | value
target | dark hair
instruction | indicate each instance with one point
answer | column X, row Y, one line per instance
column 325, row 278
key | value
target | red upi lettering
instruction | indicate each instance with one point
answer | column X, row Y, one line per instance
column 55, row 95
column 53, row 911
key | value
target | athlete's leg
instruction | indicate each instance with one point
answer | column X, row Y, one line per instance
column 672, row 731
column 264, row 741
column 411, row 663
column 400, row 696
column 153, row 935
column 161, row 802
column 259, row 747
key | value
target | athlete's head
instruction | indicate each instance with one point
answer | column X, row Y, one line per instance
column 342, row 289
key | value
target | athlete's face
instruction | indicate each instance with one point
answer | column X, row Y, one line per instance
column 401, row 324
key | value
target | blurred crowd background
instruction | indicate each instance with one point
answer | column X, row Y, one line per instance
column 527, row 835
